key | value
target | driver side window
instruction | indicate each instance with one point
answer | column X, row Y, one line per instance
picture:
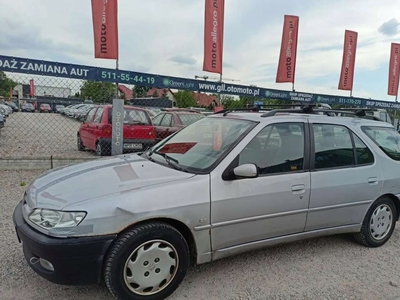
column 277, row 148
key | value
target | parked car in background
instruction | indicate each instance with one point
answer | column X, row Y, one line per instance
column 96, row 130
column 80, row 114
column 2, row 121
column 5, row 110
column 58, row 108
column 12, row 105
column 44, row 107
column 64, row 110
column 171, row 120
column 27, row 107
column 70, row 112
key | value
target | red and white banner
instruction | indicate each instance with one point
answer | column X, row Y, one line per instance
column 348, row 60
column 213, row 35
column 105, row 28
column 31, row 88
column 287, row 58
column 394, row 69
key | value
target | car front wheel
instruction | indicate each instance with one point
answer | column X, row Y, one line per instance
column 147, row 262
column 378, row 224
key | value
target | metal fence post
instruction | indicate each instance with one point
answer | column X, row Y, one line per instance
column 117, row 127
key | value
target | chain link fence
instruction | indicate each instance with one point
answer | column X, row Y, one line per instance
column 69, row 118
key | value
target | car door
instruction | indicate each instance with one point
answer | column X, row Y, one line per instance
column 96, row 127
column 157, row 122
column 86, row 130
column 273, row 204
column 345, row 177
column 163, row 130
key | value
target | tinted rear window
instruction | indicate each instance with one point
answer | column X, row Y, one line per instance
column 133, row 116
column 187, row 119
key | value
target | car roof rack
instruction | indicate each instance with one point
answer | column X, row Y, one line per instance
column 260, row 108
column 330, row 112
column 229, row 110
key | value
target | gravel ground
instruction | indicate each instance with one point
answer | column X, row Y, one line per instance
column 326, row 268
column 40, row 135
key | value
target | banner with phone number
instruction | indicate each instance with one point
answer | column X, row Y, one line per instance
column 65, row 70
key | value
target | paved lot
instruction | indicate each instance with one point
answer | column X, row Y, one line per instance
column 326, row 268
column 40, row 135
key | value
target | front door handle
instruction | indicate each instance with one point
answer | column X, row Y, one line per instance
column 372, row 180
column 298, row 188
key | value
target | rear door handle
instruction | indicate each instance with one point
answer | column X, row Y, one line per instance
column 298, row 188
column 372, row 180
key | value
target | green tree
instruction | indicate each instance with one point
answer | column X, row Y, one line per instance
column 98, row 91
column 140, row 91
column 185, row 99
column 6, row 84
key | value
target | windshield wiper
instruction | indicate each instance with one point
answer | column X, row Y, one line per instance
column 171, row 161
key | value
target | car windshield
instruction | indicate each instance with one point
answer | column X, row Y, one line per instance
column 187, row 119
column 45, row 105
column 133, row 116
column 199, row 147
column 27, row 105
column 387, row 138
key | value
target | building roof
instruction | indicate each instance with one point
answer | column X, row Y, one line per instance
column 127, row 91
column 160, row 92
column 204, row 99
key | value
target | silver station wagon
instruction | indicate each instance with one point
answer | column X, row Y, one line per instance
column 229, row 183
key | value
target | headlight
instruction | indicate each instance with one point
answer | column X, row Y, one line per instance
column 56, row 219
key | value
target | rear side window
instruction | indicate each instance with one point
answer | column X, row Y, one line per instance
column 333, row 146
column 133, row 117
column 90, row 115
column 99, row 114
column 363, row 154
column 187, row 119
column 387, row 139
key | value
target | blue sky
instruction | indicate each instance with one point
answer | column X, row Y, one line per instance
column 166, row 37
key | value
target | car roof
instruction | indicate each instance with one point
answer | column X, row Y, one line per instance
column 257, row 117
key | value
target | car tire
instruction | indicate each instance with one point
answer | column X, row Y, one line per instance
column 81, row 147
column 379, row 223
column 100, row 150
column 160, row 255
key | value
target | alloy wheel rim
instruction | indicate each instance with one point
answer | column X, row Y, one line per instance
column 381, row 222
column 151, row 267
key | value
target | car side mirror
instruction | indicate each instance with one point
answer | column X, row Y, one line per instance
column 246, row 171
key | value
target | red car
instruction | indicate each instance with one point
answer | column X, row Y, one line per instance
column 96, row 130
column 44, row 107
column 172, row 120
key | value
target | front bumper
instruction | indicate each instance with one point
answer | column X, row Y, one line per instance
column 76, row 261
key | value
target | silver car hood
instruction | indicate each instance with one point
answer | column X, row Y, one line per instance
column 101, row 178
